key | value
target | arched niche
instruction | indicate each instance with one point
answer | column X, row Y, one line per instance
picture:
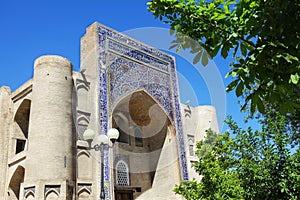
column 15, row 183
column 22, row 116
column 83, row 121
column 145, row 124
column 139, row 111
column 84, row 165
column 52, row 194
column 29, row 195
column 21, row 120
column 84, row 194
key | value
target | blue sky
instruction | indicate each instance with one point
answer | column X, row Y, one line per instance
column 33, row 28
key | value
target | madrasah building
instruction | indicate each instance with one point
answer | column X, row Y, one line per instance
column 122, row 84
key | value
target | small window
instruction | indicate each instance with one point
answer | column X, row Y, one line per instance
column 122, row 174
column 191, row 141
column 20, row 145
column 138, row 137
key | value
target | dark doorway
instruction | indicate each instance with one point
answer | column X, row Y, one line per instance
column 124, row 194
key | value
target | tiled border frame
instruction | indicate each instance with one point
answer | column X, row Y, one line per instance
column 103, row 33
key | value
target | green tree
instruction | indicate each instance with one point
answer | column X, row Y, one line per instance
column 263, row 37
column 247, row 164
column 219, row 181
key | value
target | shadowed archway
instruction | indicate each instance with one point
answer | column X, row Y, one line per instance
column 22, row 124
column 143, row 127
column 15, row 183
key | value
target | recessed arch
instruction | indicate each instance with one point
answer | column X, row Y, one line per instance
column 84, row 165
column 84, row 189
column 84, row 193
column 21, row 125
column 146, row 124
column 52, row 194
column 124, row 99
column 29, row 195
column 83, row 86
column 15, row 182
column 22, row 116
column 83, row 152
column 139, row 111
column 83, row 120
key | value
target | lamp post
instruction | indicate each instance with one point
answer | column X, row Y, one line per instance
column 112, row 135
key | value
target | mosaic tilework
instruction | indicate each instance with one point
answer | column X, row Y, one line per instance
column 103, row 121
column 139, row 56
column 179, row 124
column 161, row 82
column 127, row 76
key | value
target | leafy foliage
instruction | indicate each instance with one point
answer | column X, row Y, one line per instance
column 262, row 36
column 247, row 164
column 218, row 182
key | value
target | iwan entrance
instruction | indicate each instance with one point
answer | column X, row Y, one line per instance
column 145, row 152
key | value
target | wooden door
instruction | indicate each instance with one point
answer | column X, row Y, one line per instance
column 123, row 195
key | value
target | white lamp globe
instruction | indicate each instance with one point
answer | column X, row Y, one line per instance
column 102, row 139
column 88, row 134
column 113, row 134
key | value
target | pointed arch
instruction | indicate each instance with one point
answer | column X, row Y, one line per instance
column 21, row 125
column 84, row 165
column 124, row 99
column 83, row 120
column 15, row 182
column 139, row 109
column 29, row 195
column 147, row 123
column 22, row 116
column 122, row 173
column 84, row 193
column 84, row 189
column 83, row 152
column 82, row 85
column 51, row 194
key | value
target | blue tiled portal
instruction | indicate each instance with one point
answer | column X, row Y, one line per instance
column 134, row 66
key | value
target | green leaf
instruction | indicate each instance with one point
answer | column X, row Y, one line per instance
column 239, row 89
column 224, row 51
column 197, row 58
column 232, row 85
column 178, row 48
column 204, row 58
column 235, row 49
column 294, row 78
column 243, row 49
column 220, row 16
column 233, row 73
column 173, row 46
column 260, row 105
column 215, row 50
column 234, row 35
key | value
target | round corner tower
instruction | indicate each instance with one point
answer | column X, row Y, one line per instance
column 49, row 160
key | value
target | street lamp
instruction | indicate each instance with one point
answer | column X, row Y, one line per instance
column 112, row 135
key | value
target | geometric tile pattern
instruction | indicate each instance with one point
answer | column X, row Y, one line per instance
column 127, row 76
